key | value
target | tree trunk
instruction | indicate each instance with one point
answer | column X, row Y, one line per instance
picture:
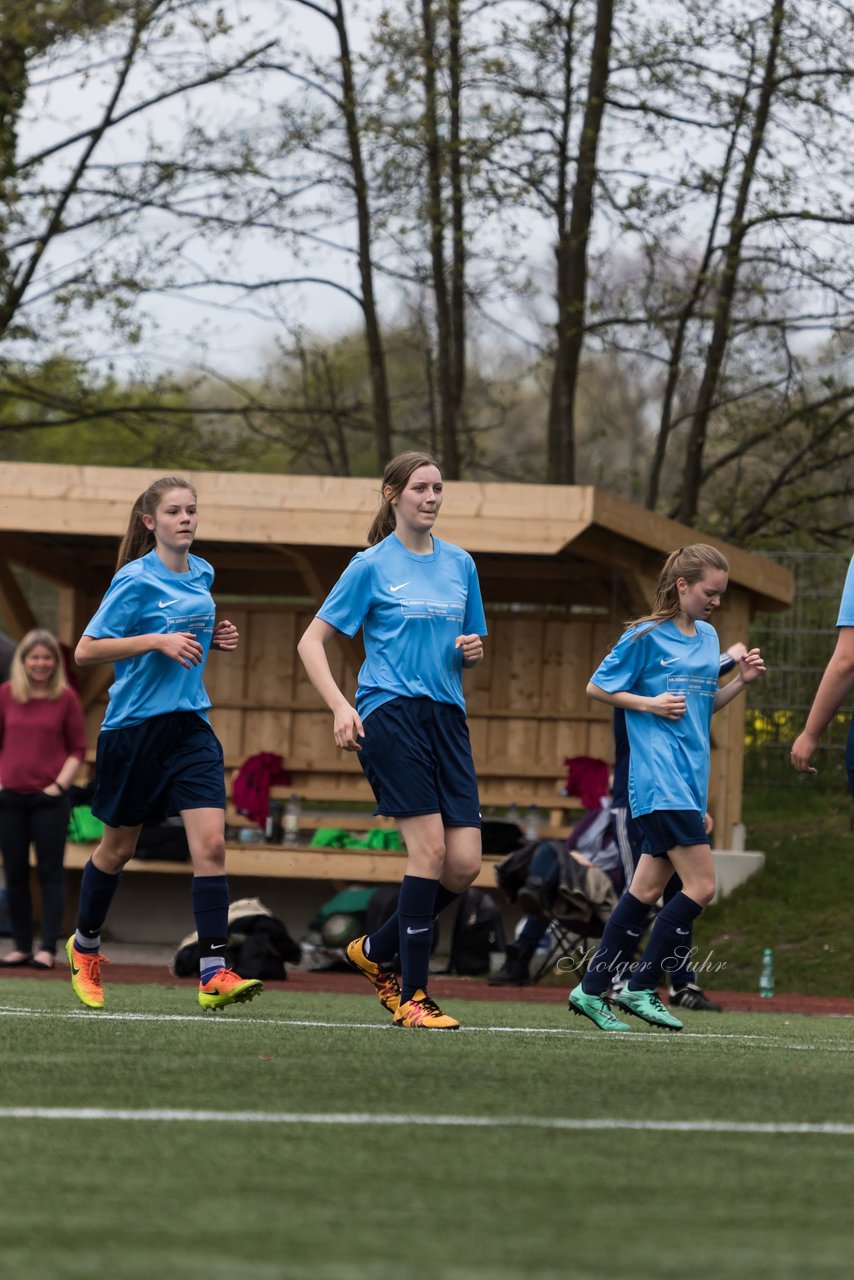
column 572, row 260
column 674, row 364
column 450, row 457
column 373, row 335
column 692, row 475
column 458, row 254
column 13, row 88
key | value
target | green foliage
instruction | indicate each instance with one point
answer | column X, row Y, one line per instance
column 800, row 904
column 62, row 413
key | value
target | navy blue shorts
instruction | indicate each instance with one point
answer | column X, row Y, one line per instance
column 154, row 769
column 417, row 757
column 667, row 828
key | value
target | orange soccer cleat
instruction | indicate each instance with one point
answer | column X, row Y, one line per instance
column 86, row 975
column 227, row 987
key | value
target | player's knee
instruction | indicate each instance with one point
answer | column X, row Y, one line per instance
column 701, row 890
column 209, row 856
column 427, row 859
column 112, row 854
column 461, row 873
column 648, row 896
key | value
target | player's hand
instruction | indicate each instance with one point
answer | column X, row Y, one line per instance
column 802, row 750
column 737, row 651
column 348, row 728
column 472, row 647
column 181, row 646
column 670, row 706
column 751, row 666
column 225, row 636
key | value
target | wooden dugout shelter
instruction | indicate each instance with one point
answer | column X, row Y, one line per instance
column 561, row 568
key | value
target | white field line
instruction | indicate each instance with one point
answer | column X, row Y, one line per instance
column 459, row 1122
column 240, row 1019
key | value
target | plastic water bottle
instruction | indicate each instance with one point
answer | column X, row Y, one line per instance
column 513, row 813
column 766, row 976
column 293, row 809
column 533, row 823
column 273, row 825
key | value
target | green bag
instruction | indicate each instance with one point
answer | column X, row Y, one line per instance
column 377, row 838
column 83, row 826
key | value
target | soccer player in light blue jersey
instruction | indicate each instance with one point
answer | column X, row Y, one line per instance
column 417, row 601
column 157, row 753
column 835, row 685
column 663, row 672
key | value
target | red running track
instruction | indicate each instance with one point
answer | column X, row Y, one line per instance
column 446, row 988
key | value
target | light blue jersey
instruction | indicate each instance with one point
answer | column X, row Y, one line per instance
column 146, row 598
column 669, row 763
column 411, row 608
column 846, row 604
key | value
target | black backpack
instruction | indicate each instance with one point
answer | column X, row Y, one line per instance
column 258, row 946
column 478, row 930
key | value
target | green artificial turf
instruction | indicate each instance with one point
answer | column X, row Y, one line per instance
column 799, row 905
column 216, row 1198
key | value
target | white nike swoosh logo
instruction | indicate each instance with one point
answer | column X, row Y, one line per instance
column 410, row 930
column 161, row 604
column 683, row 932
column 218, row 946
column 632, row 934
column 665, row 662
column 400, row 586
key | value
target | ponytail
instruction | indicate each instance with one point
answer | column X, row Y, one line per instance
column 689, row 563
column 395, row 479
column 138, row 539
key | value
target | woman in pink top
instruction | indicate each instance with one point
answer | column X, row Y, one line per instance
column 42, row 742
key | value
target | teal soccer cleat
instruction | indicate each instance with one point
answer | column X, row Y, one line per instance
column 597, row 1009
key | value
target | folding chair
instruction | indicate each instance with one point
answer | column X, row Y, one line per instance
column 584, row 901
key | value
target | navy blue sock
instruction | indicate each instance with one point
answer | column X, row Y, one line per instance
column 382, row 945
column 681, row 976
column 415, row 910
column 97, row 889
column 444, row 898
column 618, row 946
column 669, row 943
column 210, row 912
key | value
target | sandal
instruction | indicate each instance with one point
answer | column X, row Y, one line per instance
column 43, row 960
column 15, row 960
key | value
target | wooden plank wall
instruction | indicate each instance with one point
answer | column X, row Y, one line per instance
column 527, row 705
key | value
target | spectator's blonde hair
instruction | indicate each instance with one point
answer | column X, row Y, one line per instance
column 689, row 563
column 22, row 690
column 395, row 479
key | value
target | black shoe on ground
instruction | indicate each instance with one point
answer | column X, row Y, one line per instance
column 691, row 997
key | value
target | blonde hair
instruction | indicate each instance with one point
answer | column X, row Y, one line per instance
column 18, row 678
column 395, row 479
column 138, row 539
column 689, row 563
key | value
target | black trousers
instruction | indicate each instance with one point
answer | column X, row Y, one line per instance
column 34, row 818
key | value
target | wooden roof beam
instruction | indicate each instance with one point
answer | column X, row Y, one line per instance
column 48, row 562
column 14, row 606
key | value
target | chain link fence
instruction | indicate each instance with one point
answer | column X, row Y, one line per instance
column 796, row 646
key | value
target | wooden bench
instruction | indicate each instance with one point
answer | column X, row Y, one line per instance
column 290, row 862
column 344, row 801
